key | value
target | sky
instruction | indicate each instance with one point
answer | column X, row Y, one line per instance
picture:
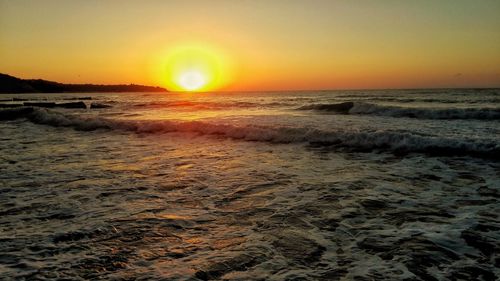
column 255, row 45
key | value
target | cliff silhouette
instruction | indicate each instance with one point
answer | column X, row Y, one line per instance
column 11, row 84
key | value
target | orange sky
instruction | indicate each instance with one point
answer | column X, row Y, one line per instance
column 258, row 45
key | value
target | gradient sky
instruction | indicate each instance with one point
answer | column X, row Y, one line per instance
column 273, row 45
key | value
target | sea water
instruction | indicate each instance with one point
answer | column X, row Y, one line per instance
column 324, row 185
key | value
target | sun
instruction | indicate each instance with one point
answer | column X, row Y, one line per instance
column 194, row 67
column 192, row 80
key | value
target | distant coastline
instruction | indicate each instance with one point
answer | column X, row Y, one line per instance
column 13, row 85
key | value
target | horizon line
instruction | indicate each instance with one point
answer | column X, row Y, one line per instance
column 339, row 89
column 265, row 90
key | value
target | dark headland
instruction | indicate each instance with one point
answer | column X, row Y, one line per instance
column 11, row 84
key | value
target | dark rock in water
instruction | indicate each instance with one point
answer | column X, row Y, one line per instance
column 79, row 104
column 9, row 105
column 40, row 104
column 15, row 113
column 238, row 263
column 99, row 105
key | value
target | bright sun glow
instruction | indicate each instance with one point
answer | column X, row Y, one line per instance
column 194, row 68
column 192, row 80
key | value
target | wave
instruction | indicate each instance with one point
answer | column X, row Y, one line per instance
column 363, row 108
column 481, row 100
column 200, row 105
column 395, row 141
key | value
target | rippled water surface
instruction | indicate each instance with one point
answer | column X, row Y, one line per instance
column 374, row 185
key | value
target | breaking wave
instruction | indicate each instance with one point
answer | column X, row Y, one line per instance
column 362, row 108
column 395, row 141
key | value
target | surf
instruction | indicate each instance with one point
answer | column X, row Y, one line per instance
column 396, row 141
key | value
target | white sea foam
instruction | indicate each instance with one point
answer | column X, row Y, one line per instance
column 396, row 141
column 363, row 108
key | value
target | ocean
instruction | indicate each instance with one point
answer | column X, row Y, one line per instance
column 317, row 185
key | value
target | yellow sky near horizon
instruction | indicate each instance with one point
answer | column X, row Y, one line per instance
column 260, row 45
